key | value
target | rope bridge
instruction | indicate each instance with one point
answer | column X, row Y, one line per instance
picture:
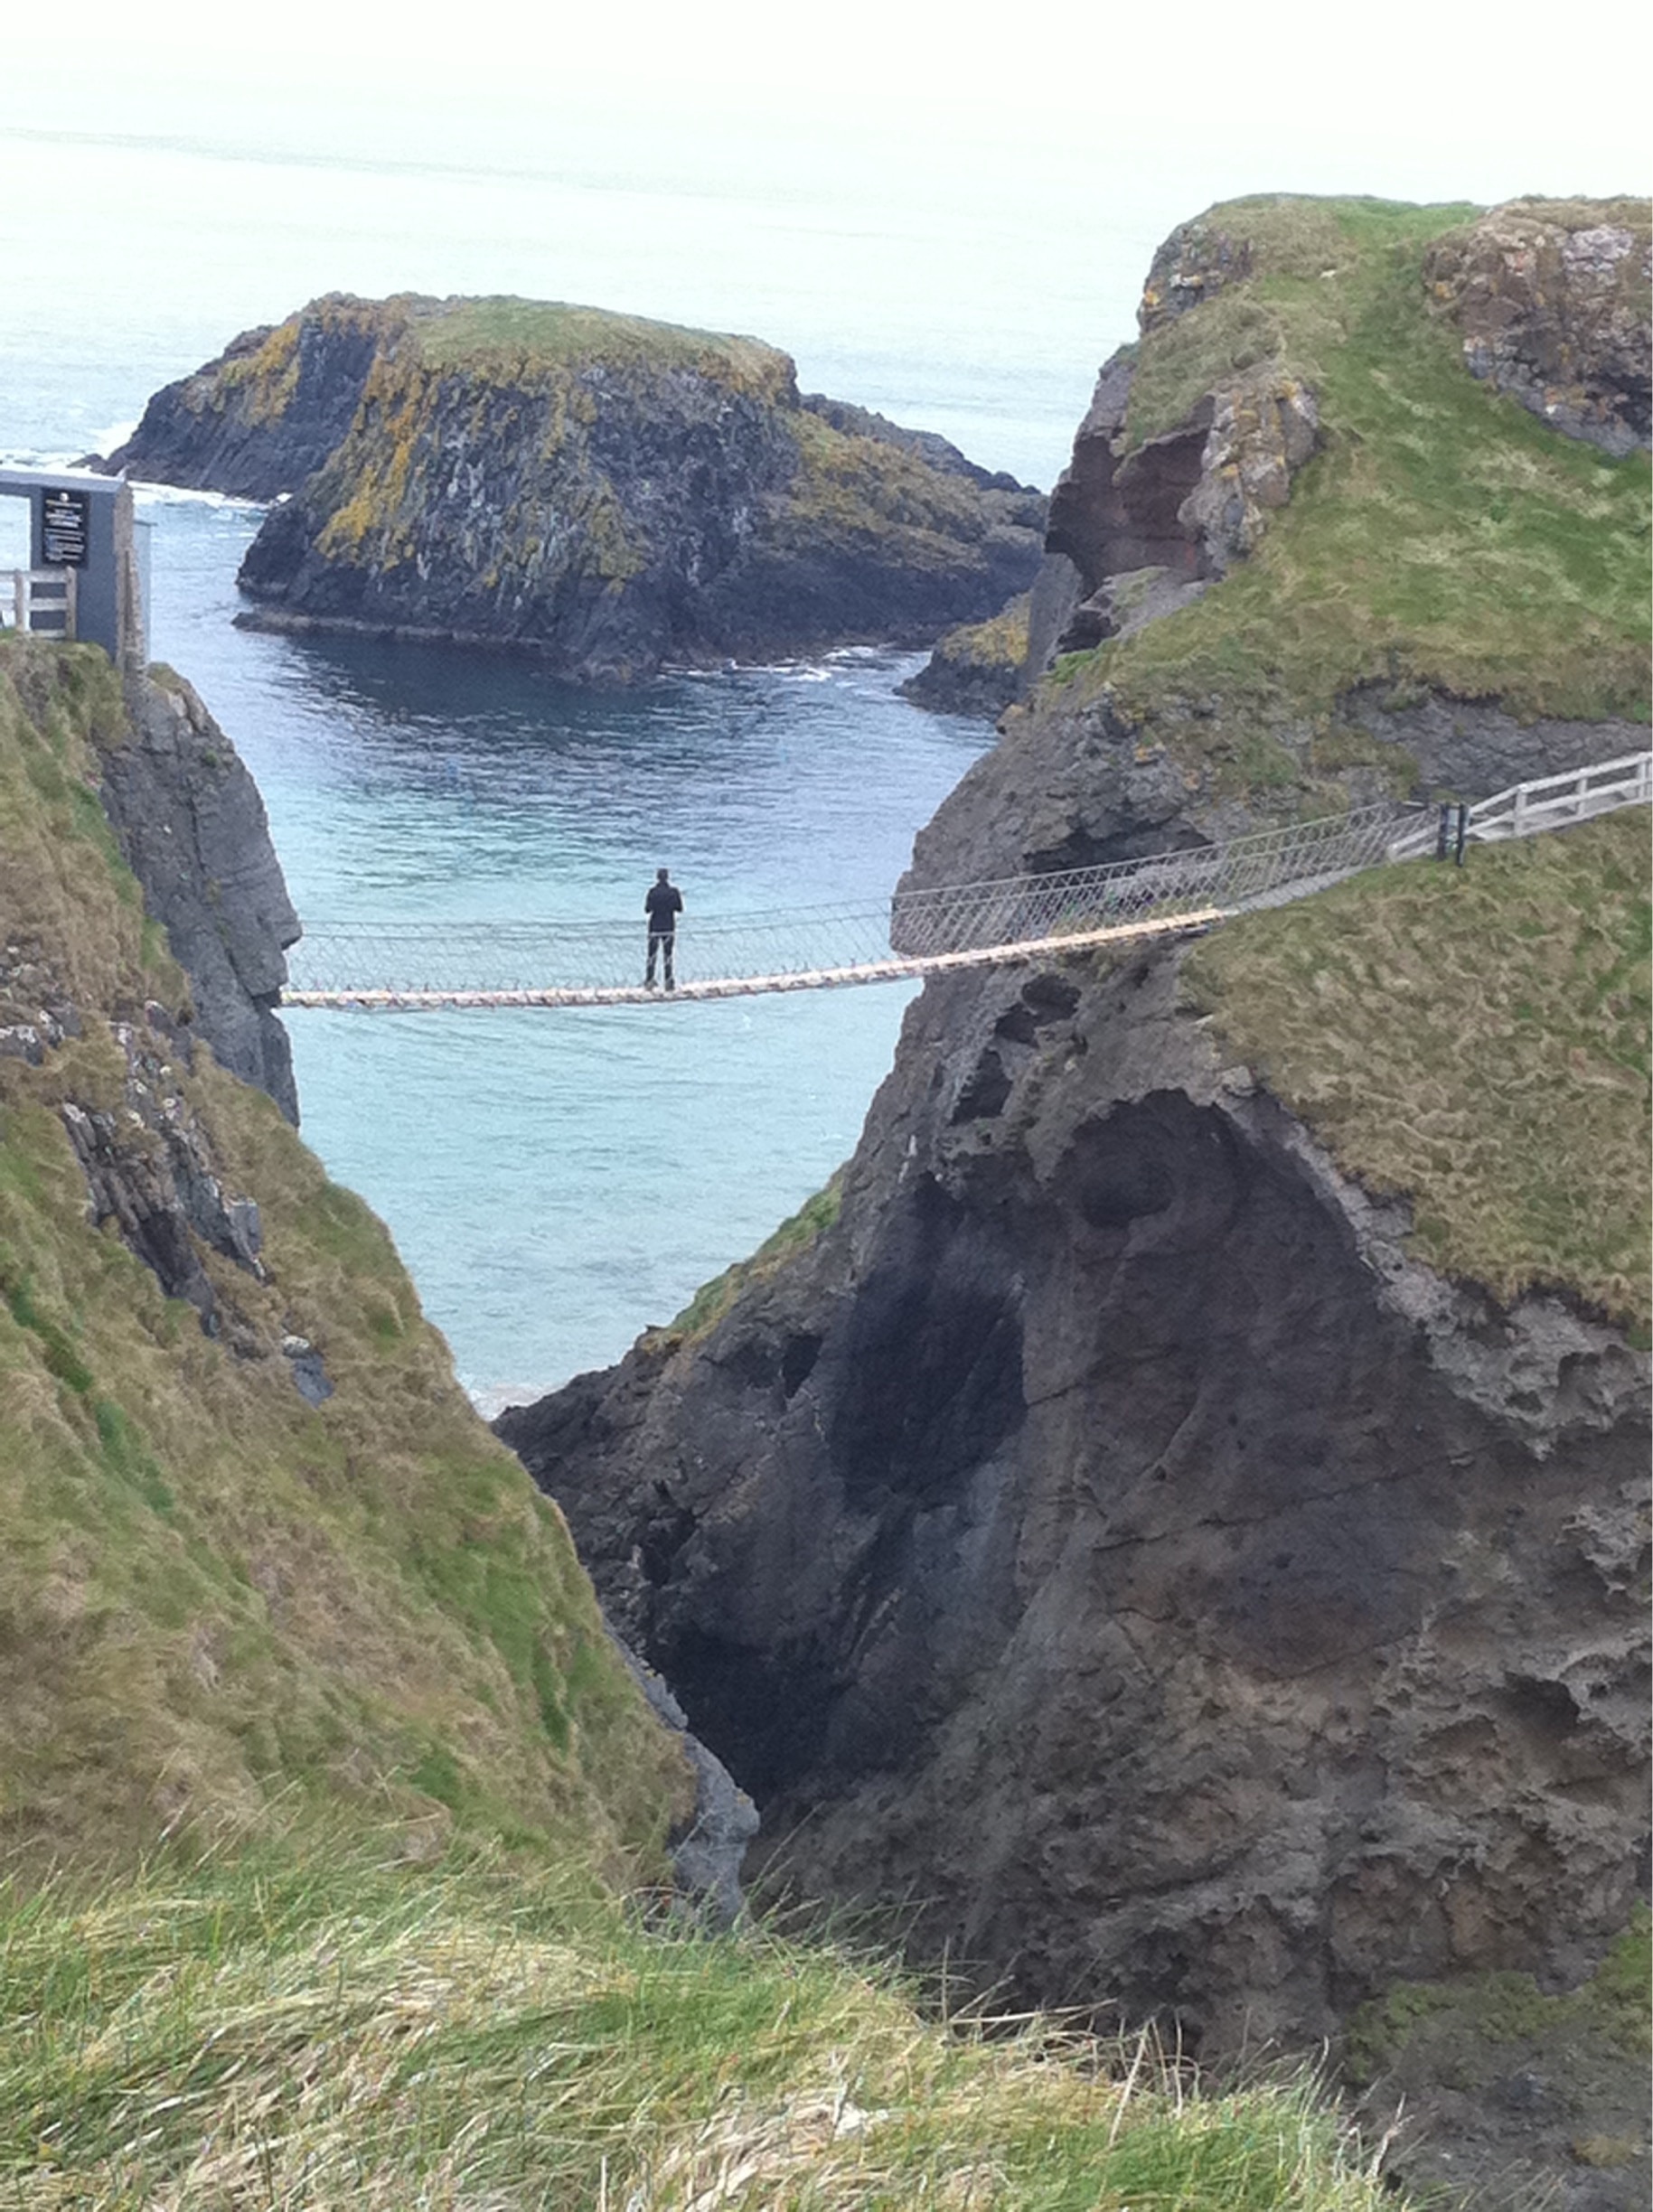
column 410, row 965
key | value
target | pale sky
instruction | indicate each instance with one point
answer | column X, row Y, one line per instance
column 1414, row 99
column 935, row 186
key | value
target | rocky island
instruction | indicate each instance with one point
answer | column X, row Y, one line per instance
column 608, row 493
column 1176, row 1515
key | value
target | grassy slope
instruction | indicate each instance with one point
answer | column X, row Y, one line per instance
column 213, row 1595
column 331, row 2037
column 1477, row 1039
column 484, row 336
column 796, row 1234
column 1445, row 538
column 999, row 642
column 497, row 338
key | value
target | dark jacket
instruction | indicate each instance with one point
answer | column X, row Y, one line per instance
column 663, row 905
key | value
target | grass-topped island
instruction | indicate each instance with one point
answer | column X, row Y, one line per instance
column 608, row 493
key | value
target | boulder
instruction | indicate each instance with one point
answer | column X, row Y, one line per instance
column 1552, row 299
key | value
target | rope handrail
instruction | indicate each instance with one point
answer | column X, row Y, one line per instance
column 522, row 961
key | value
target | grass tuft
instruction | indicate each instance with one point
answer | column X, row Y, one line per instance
column 712, row 1300
column 1477, row 1039
column 264, row 2030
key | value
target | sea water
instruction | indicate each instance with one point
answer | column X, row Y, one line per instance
column 945, row 251
column 556, row 1181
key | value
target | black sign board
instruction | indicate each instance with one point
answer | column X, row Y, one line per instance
column 65, row 527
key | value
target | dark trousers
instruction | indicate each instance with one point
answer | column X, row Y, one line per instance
column 662, row 944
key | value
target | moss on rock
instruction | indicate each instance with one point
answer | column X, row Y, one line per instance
column 1442, row 540
column 605, row 490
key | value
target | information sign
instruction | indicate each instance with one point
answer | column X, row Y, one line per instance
column 65, row 527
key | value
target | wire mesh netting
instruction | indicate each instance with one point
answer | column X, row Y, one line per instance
column 460, row 958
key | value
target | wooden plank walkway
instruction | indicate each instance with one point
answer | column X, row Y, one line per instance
column 1047, row 913
column 893, row 971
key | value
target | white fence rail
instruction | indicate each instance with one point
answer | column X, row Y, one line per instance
column 41, row 600
column 1547, row 803
column 506, row 962
column 1555, row 801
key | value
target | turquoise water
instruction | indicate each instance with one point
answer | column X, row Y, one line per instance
column 955, row 256
column 557, row 1181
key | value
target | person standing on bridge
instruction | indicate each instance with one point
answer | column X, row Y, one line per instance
column 662, row 903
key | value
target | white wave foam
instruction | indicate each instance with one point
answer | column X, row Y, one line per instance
column 57, row 463
column 789, row 671
column 491, row 1399
column 182, row 495
column 110, row 440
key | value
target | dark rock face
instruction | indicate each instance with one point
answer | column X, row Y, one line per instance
column 224, row 428
column 606, row 493
column 1181, row 508
column 978, row 668
column 708, row 1847
column 1073, row 786
column 1553, row 304
column 1473, row 748
column 1107, row 1536
column 926, row 445
column 192, row 828
column 150, row 1172
column 1196, row 262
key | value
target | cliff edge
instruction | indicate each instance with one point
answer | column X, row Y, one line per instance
column 1180, row 1527
column 265, row 1569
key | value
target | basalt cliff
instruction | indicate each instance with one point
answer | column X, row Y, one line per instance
column 607, row 492
column 1178, row 1534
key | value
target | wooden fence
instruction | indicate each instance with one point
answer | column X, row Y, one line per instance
column 1547, row 803
column 42, row 600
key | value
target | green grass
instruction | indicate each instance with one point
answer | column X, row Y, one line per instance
column 1488, row 2011
column 66, row 899
column 1589, row 2046
column 324, row 2031
column 486, row 335
column 999, row 642
column 212, row 1593
column 1477, row 1039
column 712, row 1300
column 1444, row 540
